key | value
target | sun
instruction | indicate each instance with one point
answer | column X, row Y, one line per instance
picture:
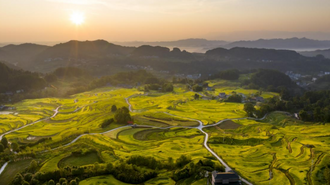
column 77, row 18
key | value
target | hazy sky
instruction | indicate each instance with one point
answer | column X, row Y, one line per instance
column 151, row 20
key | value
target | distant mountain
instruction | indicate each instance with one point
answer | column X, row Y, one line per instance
column 20, row 54
column 192, row 45
column 253, row 54
column 83, row 50
column 161, row 52
column 291, row 43
column 325, row 53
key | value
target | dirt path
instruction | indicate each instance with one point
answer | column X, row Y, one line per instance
column 17, row 129
column 56, row 111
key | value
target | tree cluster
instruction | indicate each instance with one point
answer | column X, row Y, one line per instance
column 122, row 115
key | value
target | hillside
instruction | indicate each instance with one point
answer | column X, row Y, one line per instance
column 291, row 43
column 103, row 58
column 21, row 54
column 12, row 80
column 325, row 53
column 82, row 50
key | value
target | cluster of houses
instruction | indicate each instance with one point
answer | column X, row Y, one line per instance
column 301, row 79
column 10, row 93
column 3, row 108
column 220, row 178
column 147, row 68
column 189, row 76
column 244, row 98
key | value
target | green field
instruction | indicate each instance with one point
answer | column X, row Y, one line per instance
column 280, row 143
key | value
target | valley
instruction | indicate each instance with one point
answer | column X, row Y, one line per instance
column 60, row 132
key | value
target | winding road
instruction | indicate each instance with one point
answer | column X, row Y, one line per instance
column 17, row 129
column 130, row 107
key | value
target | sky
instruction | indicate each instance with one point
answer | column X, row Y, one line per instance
column 162, row 20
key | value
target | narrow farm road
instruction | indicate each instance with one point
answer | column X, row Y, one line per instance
column 3, row 167
column 200, row 127
column 17, row 129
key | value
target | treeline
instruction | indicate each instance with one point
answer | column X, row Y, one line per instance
column 136, row 169
column 273, row 81
column 311, row 106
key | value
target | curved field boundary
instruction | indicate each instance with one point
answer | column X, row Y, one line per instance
column 200, row 127
column 287, row 174
column 17, row 129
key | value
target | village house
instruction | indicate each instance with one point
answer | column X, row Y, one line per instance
column 259, row 99
column 209, row 88
column 222, row 95
column 220, row 178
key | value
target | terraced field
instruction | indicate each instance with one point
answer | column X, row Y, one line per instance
column 167, row 126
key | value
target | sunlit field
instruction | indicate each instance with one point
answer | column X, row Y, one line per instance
column 279, row 144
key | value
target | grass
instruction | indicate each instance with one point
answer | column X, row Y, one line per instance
column 80, row 160
column 12, row 169
column 102, row 180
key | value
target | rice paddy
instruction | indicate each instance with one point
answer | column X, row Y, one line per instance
column 279, row 144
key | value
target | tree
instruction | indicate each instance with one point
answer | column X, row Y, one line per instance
column 14, row 146
column 4, row 142
column 303, row 115
column 73, row 182
column 25, row 183
column 122, row 115
column 18, row 179
column 327, row 174
column 234, row 98
column 109, row 167
column 113, row 108
column 197, row 88
column 96, row 167
column 51, row 182
column 107, row 122
column 168, row 87
column 62, row 180
column 33, row 166
column 2, row 148
column 28, row 177
column 249, row 109
column 196, row 97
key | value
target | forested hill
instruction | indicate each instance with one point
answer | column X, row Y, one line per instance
column 21, row 54
column 83, row 50
column 254, row 54
column 103, row 58
column 12, row 80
